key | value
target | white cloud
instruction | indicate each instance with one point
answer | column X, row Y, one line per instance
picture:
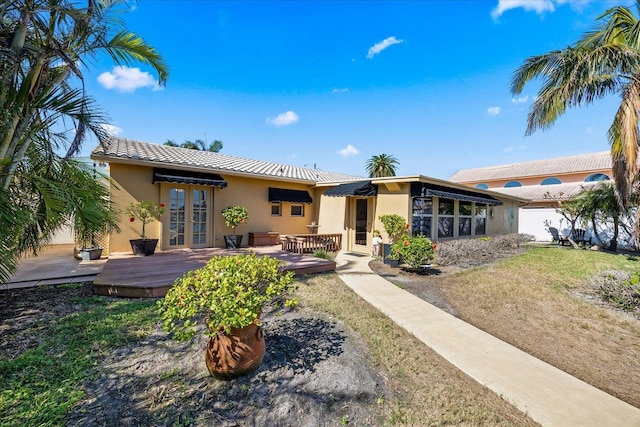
column 493, row 111
column 349, row 150
column 284, row 119
column 125, row 79
column 538, row 6
column 343, row 90
column 508, row 150
column 112, row 129
column 520, row 100
column 379, row 47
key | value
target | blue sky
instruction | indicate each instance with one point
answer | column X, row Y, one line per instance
column 331, row 83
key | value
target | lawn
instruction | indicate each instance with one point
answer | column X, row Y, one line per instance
column 60, row 346
column 538, row 302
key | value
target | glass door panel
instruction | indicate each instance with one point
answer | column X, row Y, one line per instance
column 199, row 217
column 177, row 216
column 188, row 225
column 361, row 222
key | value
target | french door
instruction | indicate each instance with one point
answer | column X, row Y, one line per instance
column 189, row 224
column 361, row 210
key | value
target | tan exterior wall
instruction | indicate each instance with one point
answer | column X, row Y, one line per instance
column 254, row 195
column 332, row 216
column 134, row 183
column 392, row 202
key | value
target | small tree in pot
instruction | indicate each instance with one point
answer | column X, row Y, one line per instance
column 234, row 216
column 230, row 291
column 145, row 212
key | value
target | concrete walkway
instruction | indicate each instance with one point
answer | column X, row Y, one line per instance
column 548, row 395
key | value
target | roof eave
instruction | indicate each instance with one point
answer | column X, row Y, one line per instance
column 150, row 163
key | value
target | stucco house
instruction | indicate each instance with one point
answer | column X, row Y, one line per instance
column 196, row 185
column 544, row 182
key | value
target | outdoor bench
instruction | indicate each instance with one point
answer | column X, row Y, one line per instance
column 264, row 238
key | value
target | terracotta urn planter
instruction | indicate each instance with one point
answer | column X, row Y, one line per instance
column 143, row 247
column 235, row 353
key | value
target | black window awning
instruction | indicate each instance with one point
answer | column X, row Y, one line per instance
column 292, row 196
column 420, row 189
column 357, row 189
column 188, row 177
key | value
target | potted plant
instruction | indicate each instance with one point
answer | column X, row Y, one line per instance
column 145, row 212
column 234, row 216
column 91, row 221
column 230, row 293
column 395, row 226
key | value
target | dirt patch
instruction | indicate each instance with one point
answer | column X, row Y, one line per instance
column 315, row 372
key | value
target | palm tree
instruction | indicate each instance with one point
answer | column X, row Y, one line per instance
column 381, row 165
column 602, row 62
column 198, row 144
column 44, row 46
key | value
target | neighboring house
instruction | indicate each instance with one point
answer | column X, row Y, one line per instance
column 546, row 183
column 196, row 185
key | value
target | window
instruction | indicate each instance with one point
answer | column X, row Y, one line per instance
column 512, row 184
column 297, row 210
column 446, row 215
column 464, row 218
column 422, row 216
column 594, row 177
column 276, row 209
column 482, row 186
column 481, row 220
column 550, row 181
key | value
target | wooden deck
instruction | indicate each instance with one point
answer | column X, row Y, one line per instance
column 126, row 275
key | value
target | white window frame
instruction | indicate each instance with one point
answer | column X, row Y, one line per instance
column 293, row 205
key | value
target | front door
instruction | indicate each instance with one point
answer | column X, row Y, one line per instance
column 189, row 224
column 361, row 225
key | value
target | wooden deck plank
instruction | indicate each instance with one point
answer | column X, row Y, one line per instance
column 137, row 277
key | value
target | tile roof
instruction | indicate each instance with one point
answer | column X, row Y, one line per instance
column 539, row 193
column 546, row 167
column 116, row 149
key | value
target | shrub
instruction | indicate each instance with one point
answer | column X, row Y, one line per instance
column 618, row 288
column 324, row 254
column 394, row 225
column 479, row 250
column 413, row 251
column 229, row 290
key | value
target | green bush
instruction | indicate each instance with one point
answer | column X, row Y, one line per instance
column 324, row 254
column 229, row 290
column 413, row 251
column 394, row 225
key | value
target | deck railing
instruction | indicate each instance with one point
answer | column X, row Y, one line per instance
column 301, row 243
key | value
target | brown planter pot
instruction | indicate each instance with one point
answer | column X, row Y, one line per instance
column 235, row 354
column 233, row 241
column 143, row 247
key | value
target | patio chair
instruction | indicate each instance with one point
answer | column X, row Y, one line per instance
column 577, row 235
column 556, row 237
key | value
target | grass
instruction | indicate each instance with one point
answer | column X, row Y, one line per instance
column 429, row 390
column 536, row 301
column 530, row 300
column 44, row 382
